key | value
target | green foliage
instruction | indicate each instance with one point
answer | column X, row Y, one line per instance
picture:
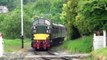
column 85, row 15
column 91, row 15
column 3, row 2
column 48, row 9
column 82, row 45
column 63, row 14
column 11, row 25
column 11, row 4
column 72, row 12
column 10, row 22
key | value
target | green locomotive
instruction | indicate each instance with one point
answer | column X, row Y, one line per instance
column 45, row 33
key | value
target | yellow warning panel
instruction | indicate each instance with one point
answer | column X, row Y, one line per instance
column 41, row 36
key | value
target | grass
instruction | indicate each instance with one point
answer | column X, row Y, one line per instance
column 100, row 54
column 13, row 45
column 81, row 45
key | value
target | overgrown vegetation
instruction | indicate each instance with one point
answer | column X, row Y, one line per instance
column 81, row 45
column 86, row 16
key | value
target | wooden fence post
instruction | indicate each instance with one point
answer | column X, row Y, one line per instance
column 104, row 33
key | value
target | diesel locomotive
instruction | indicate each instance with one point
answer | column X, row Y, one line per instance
column 45, row 33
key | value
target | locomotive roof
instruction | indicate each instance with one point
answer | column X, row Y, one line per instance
column 45, row 21
column 58, row 25
column 41, row 21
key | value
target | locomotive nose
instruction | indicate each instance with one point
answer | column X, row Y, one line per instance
column 41, row 41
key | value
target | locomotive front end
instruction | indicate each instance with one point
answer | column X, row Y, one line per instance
column 41, row 34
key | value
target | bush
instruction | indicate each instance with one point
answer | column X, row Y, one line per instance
column 11, row 25
column 82, row 45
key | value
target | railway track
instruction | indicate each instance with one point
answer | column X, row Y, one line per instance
column 49, row 55
column 42, row 55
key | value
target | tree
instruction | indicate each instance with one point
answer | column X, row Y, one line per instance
column 92, row 15
column 86, row 16
column 10, row 22
column 48, row 9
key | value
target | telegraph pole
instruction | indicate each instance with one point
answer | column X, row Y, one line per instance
column 67, row 13
column 22, row 36
column 67, row 18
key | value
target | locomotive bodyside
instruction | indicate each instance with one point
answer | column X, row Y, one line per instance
column 58, row 34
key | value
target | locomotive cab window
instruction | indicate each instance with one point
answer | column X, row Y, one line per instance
column 41, row 29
